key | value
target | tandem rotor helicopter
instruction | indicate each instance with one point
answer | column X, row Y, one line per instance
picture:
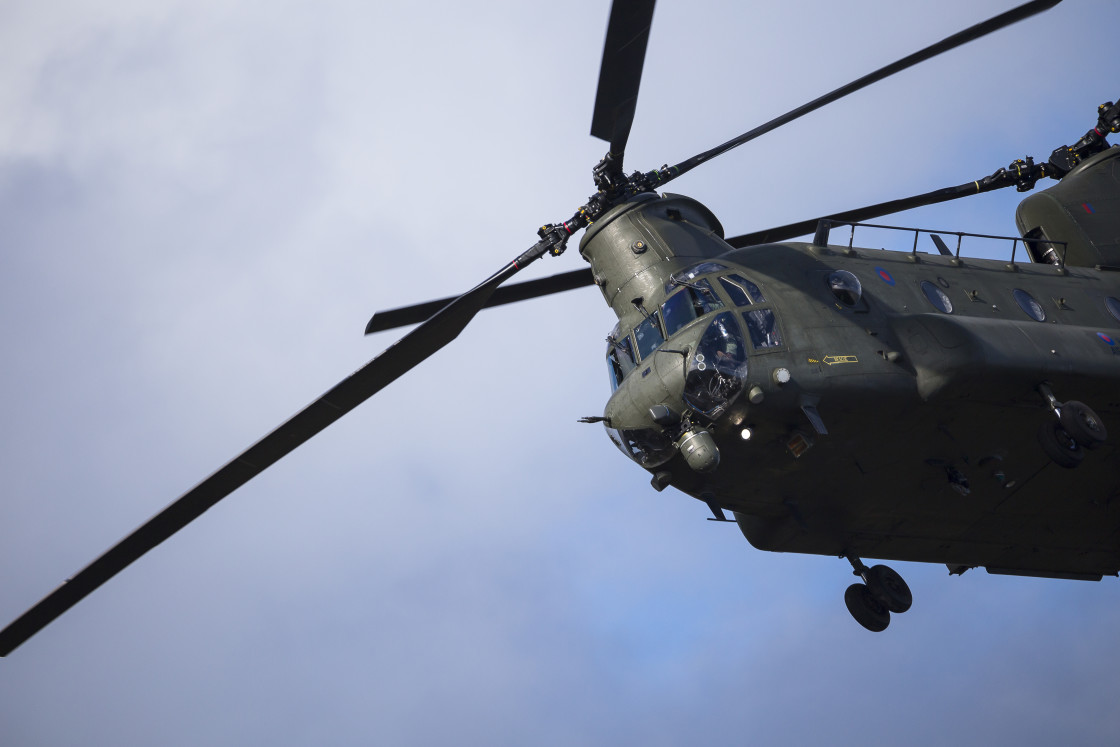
column 833, row 399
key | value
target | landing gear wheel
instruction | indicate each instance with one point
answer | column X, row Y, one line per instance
column 889, row 588
column 866, row 609
column 1084, row 425
column 1059, row 445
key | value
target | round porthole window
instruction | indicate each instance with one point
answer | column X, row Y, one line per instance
column 1030, row 307
column 1113, row 307
column 846, row 287
column 937, row 297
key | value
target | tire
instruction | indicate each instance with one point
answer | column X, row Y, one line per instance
column 1061, row 447
column 890, row 588
column 1086, row 427
column 866, row 609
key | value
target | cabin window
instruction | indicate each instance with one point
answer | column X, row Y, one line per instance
column 937, row 297
column 846, row 287
column 687, row 305
column 1029, row 305
column 742, row 291
column 1113, row 307
column 763, row 328
column 648, row 336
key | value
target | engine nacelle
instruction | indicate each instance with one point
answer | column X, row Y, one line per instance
column 1083, row 209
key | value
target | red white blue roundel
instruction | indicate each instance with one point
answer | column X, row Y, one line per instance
column 1106, row 339
column 885, row 276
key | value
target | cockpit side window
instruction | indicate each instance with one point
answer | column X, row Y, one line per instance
column 620, row 358
column 690, row 303
column 626, row 355
column 648, row 335
column 742, row 291
column 614, row 369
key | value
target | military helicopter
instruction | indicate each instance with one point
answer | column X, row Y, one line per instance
column 751, row 430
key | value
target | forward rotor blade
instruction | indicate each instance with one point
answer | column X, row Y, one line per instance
column 624, row 54
column 395, row 361
column 793, row 230
column 406, row 315
column 961, row 37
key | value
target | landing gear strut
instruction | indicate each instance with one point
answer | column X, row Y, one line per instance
column 882, row 592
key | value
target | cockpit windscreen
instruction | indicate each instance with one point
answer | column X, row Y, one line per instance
column 688, row 304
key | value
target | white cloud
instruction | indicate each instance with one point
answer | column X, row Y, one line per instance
column 201, row 204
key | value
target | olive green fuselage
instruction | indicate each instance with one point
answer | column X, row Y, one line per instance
column 901, row 424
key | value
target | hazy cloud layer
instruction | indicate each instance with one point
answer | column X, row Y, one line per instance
column 202, row 203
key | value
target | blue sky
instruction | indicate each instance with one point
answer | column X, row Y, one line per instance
column 202, row 203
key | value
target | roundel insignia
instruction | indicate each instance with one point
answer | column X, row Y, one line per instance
column 885, row 276
column 1106, row 339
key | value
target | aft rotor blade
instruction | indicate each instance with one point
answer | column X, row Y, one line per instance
column 961, row 37
column 397, row 360
column 802, row 228
column 558, row 283
column 624, row 54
